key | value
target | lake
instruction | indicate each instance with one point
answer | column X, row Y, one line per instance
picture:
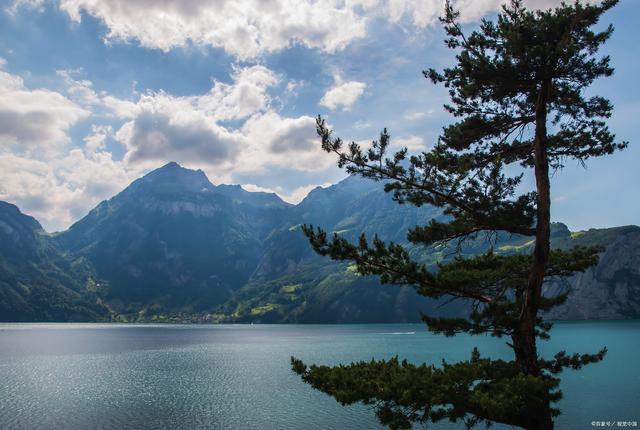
column 80, row 376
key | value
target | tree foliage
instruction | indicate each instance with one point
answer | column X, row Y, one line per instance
column 517, row 91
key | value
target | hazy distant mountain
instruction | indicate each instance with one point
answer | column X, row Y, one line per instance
column 611, row 290
column 293, row 284
column 37, row 283
column 173, row 246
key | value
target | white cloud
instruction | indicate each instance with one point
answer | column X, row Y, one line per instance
column 362, row 124
column 60, row 190
column 343, row 95
column 416, row 115
column 293, row 85
column 246, row 95
column 412, row 143
column 243, row 28
column 424, row 13
column 189, row 129
column 298, row 194
column 96, row 142
column 249, row 28
column 281, row 135
column 34, row 117
column 273, row 140
column 253, row 188
column 33, row 4
column 243, row 97
column 162, row 133
column 120, row 108
column 81, row 90
column 55, row 184
column 294, row 196
column 163, row 127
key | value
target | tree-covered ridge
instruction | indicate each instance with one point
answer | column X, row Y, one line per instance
column 517, row 91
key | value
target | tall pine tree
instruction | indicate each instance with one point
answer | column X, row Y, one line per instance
column 518, row 90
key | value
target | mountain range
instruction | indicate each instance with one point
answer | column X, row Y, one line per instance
column 174, row 247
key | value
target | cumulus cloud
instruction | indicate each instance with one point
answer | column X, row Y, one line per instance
column 273, row 140
column 243, row 28
column 60, row 190
column 190, row 129
column 233, row 129
column 281, row 135
column 342, row 95
column 161, row 133
column 246, row 94
column 34, row 117
column 249, row 28
column 119, row 108
column 43, row 177
column 187, row 129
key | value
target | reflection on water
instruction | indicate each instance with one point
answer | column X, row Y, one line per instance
column 73, row 376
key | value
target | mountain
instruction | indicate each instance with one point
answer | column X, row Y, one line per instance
column 37, row 283
column 173, row 242
column 610, row 290
column 293, row 284
column 174, row 247
column 303, row 287
column 357, row 205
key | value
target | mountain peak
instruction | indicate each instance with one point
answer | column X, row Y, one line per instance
column 174, row 177
column 173, row 168
column 171, row 165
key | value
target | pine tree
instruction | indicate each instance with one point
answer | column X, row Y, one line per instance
column 518, row 92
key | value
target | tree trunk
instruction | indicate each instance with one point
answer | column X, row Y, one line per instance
column 524, row 339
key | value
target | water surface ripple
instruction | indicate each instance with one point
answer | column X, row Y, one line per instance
column 93, row 376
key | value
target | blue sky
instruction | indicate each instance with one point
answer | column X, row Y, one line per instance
column 95, row 93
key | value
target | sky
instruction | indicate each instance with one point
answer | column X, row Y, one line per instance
column 95, row 93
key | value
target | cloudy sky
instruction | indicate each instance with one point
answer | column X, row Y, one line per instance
column 94, row 93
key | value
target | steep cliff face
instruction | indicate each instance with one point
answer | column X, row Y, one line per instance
column 610, row 290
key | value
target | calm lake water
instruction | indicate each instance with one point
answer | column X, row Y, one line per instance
column 80, row 376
